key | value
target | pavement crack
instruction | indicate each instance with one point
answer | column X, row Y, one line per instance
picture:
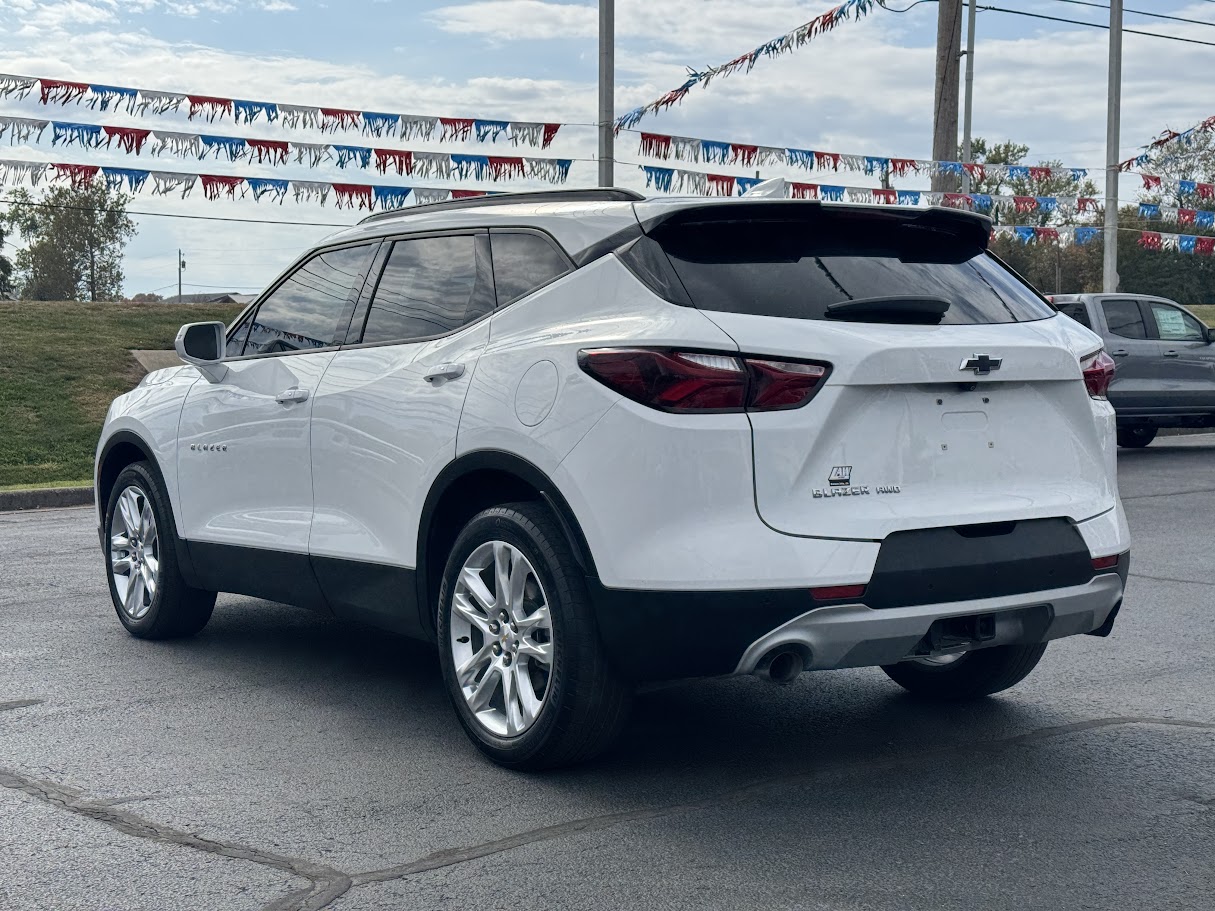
column 1171, row 493
column 453, row 856
column 20, row 704
column 1170, row 579
column 326, row 883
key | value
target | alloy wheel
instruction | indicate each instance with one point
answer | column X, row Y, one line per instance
column 134, row 552
column 501, row 638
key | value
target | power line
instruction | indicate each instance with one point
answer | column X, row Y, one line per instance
column 1139, row 12
column 1128, row 31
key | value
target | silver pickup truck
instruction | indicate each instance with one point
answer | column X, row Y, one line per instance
column 1165, row 356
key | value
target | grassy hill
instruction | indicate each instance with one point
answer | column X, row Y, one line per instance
column 60, row 366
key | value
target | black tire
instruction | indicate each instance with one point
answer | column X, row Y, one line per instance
column 1136, row 437
column 586, row 702
column 176, row 609
column 975, row 674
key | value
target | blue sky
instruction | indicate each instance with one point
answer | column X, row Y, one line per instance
column 865, row 88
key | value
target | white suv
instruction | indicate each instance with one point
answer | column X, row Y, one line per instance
column 586, row 439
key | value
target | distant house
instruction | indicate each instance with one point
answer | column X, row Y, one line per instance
column 224, row 298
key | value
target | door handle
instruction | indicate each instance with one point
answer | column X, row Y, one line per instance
column 445, row 372
column 1172, row 354
column 1121, row 352
column 294, row 394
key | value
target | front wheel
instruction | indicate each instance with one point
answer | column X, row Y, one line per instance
column 519, row 646
column 1135, row 437
column 969, row 675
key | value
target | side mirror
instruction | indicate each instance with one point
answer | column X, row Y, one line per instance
column 202, row 344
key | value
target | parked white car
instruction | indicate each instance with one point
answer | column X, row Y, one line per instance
column 585, row 439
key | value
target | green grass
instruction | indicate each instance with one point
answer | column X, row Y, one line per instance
column 60, row 366
column 1205, row 312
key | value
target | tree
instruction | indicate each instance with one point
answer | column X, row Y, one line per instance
column 75, row 238
column 1057, row 184
column 6, row 267
column 1177, row 161
column 147, row 297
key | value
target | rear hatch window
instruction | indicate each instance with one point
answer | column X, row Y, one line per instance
column 798, row 267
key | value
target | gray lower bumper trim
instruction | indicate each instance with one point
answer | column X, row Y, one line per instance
column 852, row 635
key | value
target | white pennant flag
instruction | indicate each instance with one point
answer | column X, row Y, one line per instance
column 22, row 172
column 158, row 102
column 685, row 149
column 297, row 116
column 21, row 129
column 15, row 86
column 311, row 190
column 432, row 164
column 181, row 144
column 165, row 182
column 425, row 195
column 315, row 152
column 414, row 127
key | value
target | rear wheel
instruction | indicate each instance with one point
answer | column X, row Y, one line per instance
column 149, row 594
column 969, row 675
column 1135, row 437
column 519, row 647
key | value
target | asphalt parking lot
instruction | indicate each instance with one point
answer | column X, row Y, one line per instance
column 279, row 761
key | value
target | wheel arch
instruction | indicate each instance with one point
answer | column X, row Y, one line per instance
column 472, row 483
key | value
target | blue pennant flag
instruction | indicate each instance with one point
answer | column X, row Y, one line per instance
column 1086, row 235
column 714, row 152
column 746, row 183
column 659, row 178
column 831, row 194
column 1078, row 174
column 231, row 146
column 347, row 154
column 1018, row 172
column 1047, row 204
column 1205, row 219
column 1185, row 187
column 876, row 165
column 84, row 134
column 1186, row 243
column 390, row 197
column 475, row 166
column 133, row 178
column 800, row 158
column 490, row 129
column 1148, row 210
column 1025, row 233
column 951, row 167
column 982, row 201
column 260, row 186
column 908, row 197
column 379, row 124
column 106, row 95
column 248, row 111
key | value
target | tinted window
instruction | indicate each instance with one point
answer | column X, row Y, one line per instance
column 236, row 340
column 430, row 286
column 1175, row 325
column 303, row 312
column 1124, row 318
column 523, row 263
column 797, row 268
column 1078, row 312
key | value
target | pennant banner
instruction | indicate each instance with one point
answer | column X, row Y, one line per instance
column 277, row 152
column 142, row 102
column 786, row 43
column 218, row 187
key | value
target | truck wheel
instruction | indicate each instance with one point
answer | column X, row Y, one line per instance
column 968, row 675
column 149, row 594
column 519, row 646
column 1135, row 437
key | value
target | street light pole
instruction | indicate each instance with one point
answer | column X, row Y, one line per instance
column 1110, row 271
column 967, row 156
column 607, row 88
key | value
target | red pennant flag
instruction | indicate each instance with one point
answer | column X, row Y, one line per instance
column 1205, row 190
column 1086, row 204
column 887, row 197
column 348, row 195
column 655, row 145
column 550, row 133
column 209, row 105
column 1186, row 216
column 901, row 167
column 130, row 140
column 742, row 154
column 803, row 190
column 963, row 201
column 1047, row 234
column 55, row 91
column 827, row 160
column 1205, row 246
column 1040, row 173
column 216, row 185
column 722, row 184
column 78, row 175
column 456, row 128
column 506, row 167
column 1151, row 240
column 466, row 194
column 397, row 159
column 334, row 118
column 1150, row 181
column 273, row 151
column 977, row 171
column 1025, row 204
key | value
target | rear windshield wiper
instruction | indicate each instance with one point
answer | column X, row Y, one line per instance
column 896, row 309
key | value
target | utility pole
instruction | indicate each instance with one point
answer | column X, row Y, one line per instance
column 968, row 104
column 1112, row 128
column 181, row 264
column 945, row 113
column 607, row 91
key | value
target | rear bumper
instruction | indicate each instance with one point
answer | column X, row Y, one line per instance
column 665, row 635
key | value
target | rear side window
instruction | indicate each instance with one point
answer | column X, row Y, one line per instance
column 430, row 286
column 796, row 268
column 1175, row 325
column 523, row 263
column 1078, row 312
column 1124, row 318
column 304, row 311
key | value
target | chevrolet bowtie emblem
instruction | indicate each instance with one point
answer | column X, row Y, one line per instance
column 981, row 364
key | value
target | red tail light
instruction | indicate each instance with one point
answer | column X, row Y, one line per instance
column 1098, row 371
column 1103, row 563
column 837, row 592
column 688, row 381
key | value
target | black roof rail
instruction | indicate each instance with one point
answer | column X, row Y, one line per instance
column 592, row 194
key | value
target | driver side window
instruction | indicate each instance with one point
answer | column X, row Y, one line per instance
column 303, row 313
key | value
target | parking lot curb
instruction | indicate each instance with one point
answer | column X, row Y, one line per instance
column 45, row 498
